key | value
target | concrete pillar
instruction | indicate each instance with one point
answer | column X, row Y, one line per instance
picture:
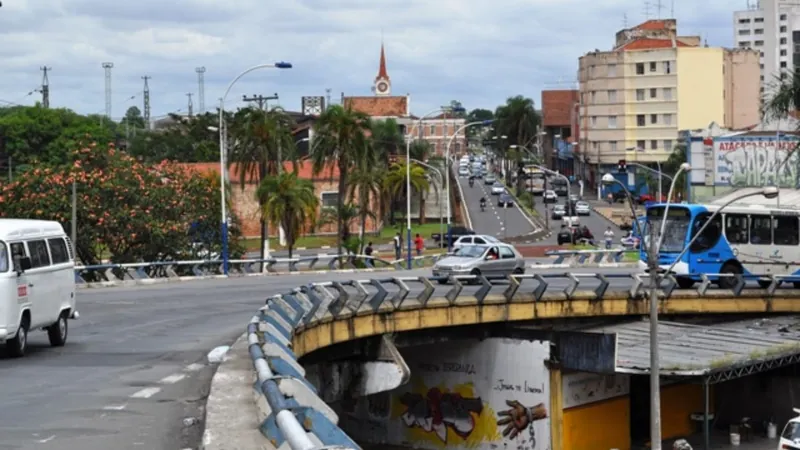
column 556, row 409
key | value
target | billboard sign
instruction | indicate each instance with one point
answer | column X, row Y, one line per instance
column 752, row 161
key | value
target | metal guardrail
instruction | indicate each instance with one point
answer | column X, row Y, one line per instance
column 206, row 268
column 293, row 412
column 599, row 258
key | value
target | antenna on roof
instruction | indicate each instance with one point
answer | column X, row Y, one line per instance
column 625, row 21
column 672, row 10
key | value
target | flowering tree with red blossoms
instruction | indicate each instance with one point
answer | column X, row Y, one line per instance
column 125, row 209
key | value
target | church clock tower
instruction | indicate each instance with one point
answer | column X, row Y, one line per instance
column 383, row 85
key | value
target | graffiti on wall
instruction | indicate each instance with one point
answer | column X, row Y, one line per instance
column 755, row 161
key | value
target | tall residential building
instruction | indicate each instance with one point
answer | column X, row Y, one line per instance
column 635, row 98
column 772, row 27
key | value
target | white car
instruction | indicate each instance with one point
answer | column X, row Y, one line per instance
column 550, row 196
column 475, row 239
column 790, row 438
column 582, row 209
column 463, row 172
column 498, row 189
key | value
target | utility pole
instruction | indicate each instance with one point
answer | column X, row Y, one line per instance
column 327, row 98
column 655, row 369
column 45, row 87
column 190, row 105
column 107, row 66
column 146, row 102
column 260, row 100
column 74, row 220
column 201, row 89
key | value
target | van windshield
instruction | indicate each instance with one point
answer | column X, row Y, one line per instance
column 3, row 257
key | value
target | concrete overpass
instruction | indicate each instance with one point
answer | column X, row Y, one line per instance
column 348, row 332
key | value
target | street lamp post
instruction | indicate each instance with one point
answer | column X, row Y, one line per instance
column 223, row 151
column 417, row 123
column 441, row 180
column 447, row 167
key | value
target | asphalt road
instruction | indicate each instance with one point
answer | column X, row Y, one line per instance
column 597, row 224
column 498, row 222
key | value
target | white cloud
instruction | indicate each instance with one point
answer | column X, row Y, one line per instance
column 475, row 51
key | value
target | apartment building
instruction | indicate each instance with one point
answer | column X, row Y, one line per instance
column 771, row 27
column 635, row 98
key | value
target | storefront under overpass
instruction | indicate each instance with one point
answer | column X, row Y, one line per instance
column 695, row 360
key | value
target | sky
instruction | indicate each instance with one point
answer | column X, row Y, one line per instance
column 473, row 51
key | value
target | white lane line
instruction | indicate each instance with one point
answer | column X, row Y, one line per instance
column 46, row 440
column 194, row 367
column 172, row 379
column 146, row 392
column 115, row 407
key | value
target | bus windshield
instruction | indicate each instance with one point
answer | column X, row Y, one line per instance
column 676, row 229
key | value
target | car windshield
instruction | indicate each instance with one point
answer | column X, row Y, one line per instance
column 675, row 230
column 559, row 208
column 470, row 251
column 792, row 431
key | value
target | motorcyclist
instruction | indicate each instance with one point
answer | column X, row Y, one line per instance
column 587, row 234
column 471, row 181
column 483, row 203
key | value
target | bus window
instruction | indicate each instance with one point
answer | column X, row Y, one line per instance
column 786, row 230
column 760, row 230
column 711, row 233
column 736, row 228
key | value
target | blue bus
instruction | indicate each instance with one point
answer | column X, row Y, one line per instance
column 748, row 240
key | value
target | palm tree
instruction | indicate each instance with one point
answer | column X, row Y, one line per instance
column 421, row 150
column 341, row 133
column 395, row 181
column 346, row 215
column 783, row 103
column 262, row 141
column 518, row 120
column 289, row 201
column 386, row 138
column 365, row 187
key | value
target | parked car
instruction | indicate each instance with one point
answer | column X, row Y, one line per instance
column 495, row 261
column 790, row 437
column 505, row 201
column 550, row 196
column 559, row 211
column 582, row 208
column 455, row 232
column 498, row 188
column 475, row 239
column 489, row 179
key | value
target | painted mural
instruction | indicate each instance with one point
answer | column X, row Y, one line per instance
column 744, row 161
column 582, row 388
column 486, row 394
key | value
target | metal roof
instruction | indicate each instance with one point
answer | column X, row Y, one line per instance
column 789, row 198
column 695, row 350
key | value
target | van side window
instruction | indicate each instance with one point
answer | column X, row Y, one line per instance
column 58, row 250
column 39, row 255
column 3, row 257
column 17, row 252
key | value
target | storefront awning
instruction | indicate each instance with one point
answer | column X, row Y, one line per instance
column 717, row 352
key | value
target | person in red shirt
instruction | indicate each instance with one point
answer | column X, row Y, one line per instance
column 419, row 244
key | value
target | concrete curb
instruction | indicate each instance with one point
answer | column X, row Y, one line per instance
column 231, row 416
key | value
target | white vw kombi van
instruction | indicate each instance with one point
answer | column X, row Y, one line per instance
column 37, row 282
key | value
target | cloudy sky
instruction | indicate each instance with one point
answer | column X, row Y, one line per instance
column 475, row 51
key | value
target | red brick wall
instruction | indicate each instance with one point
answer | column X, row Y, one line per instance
column 557, row 107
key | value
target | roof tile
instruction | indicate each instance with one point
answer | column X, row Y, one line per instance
column 651, row 44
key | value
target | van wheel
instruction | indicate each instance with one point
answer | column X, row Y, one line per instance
column 17, row 346
column 57, row 332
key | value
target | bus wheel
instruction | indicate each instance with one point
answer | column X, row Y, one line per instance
column 729, row 282
column 684, row 282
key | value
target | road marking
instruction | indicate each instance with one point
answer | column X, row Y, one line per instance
column 146, row 392
column 194, row 367
column 172, row 379
column 115, row 407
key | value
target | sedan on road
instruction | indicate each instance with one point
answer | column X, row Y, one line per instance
column 559, row 211
column 550, row 196
column 463, row 172
column 498, row 188
column 582, row 208
column 489, row 180
column 574, row 198
column 495, row 261
column 505, row 201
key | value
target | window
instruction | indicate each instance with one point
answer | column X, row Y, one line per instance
column 612, row 96
column 640, row 145
column 653, row 92
column 506, row 253
column 743, row 44
column 667, row 145
column 786, row 230
column 758, row 20
column 478, row 240
column 594, row 145
column 667, row 67
column 762, row 68
column 612, row 70
column 760, row 230
column 783, row 52
column 667, row 120
column 640, row 95
column 591, row 70
column 653, row 119
column 612, row 121
column 653, row 145
column 783, row 29
column 444, row 130
column 758, row 31
column 639, row 68
column 758, row 43
column 640, row 120
column 39, row 255
column 3, row 257
column 710, row 236
column 744, row 32
column 783, row 41
column 736, row 228
column 744, row 20
column 612, row 145
column 783, row 17
column 783, row 64
column 433, row 130
column 653, row 66
column 594, row 121
column 329, row 199
column 58, row 250
column 667, row 93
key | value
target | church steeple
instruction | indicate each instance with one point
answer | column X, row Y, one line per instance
column 383, row 85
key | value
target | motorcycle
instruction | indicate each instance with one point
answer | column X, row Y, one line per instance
column 483, row 206
column 471, row 182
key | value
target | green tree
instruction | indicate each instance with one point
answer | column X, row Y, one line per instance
column 186, row 139
column 477, row 115
column 386, row 139
column 395, row 182
column 518, row 120
column 457, row 109
column 421, row 151
column 288, row 201
column 341, row 135
column 671, row 167
column 133, row 120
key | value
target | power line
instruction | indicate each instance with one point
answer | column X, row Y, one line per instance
column 45, row 87
column 260, row 100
